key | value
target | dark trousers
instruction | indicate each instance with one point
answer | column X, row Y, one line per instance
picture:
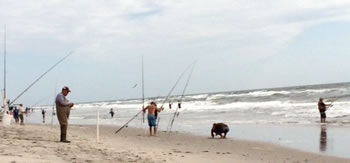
column 63, row 115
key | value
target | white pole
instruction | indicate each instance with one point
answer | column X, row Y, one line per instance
column 4, row 98
column 53, row 106
column 4, row 92
column 97, row 126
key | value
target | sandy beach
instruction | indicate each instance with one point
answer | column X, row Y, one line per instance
column 39, row 143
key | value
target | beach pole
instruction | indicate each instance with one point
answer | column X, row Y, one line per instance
column 97, row 125
column 53, row 106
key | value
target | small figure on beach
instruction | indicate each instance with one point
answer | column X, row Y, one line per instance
column 322, row 107
column 151, row 117
column 63, row 107
column 16, row 114
column 21, row 114
column 219, row 129
column 43, row 113
column 111, row 112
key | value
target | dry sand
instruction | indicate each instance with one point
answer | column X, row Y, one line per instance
column 39, row 143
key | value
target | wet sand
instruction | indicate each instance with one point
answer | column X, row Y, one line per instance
column 39, row 143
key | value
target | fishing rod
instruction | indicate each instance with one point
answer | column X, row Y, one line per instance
column 181, row 98
column 337, row 97
column 35, row 81
column 172, row 89
column 4, row 93
column 143, row 92
column 143, row 102
column 162, row 104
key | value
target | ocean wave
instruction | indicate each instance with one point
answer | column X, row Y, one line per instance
column 197, row 97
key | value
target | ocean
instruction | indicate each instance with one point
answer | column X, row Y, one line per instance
column 285, row 116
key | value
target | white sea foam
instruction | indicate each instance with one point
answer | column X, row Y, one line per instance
column 283, row 106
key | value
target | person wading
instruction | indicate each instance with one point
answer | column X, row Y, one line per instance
column 63, row 106
column 322, row 107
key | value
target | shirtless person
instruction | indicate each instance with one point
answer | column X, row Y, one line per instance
column 151, row 110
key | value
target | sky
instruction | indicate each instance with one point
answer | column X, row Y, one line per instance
column 237, row 45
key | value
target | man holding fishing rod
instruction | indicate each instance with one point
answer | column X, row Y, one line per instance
column 322, row 107
column 63, row 107
column 151, row 117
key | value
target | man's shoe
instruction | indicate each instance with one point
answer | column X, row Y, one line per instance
column 65, row 141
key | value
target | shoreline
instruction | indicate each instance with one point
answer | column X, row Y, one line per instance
column 305, row 137
column 39, row 143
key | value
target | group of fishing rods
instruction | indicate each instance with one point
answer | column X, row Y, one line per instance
column 166, row 99
column 176, row 113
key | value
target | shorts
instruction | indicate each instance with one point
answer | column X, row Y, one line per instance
column 151, row 120
column 323, row 114
column 21, row 117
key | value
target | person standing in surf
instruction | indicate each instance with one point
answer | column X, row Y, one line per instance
column 151, row 117
column 322, row 107
column 111, row 112
column 63, row 106
column 43, row 113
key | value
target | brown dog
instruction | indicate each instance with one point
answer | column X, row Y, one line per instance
column 218, row 129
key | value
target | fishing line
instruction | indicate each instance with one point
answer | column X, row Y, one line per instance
column 25, row 90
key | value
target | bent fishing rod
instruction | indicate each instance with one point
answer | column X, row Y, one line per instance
column 162, row 103
column 172, row 89
column 178, row 80
column 35, row 81
column 170, row 126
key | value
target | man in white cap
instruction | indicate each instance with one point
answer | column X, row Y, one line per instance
column 63, row 107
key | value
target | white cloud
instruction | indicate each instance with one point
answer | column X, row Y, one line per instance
column 251, row 27
column 166, row 31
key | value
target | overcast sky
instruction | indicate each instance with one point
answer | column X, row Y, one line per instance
column 238, row 44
